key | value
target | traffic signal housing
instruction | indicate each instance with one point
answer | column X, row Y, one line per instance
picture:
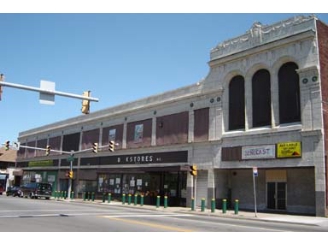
column 193, row 170
column 70, row 174
column 95, row 148
column 7, row 144
column 111, row 146
column 48, row 149
column 86, row 103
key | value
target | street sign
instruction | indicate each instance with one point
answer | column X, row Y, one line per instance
column 70, row 158
column 47, row 98
column 255, row 173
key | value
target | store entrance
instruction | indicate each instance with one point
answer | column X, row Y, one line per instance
column 148, row 184
column 276, row 195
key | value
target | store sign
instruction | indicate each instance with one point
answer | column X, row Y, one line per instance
column 258, row 152
column 289, row 150
column 43, row 163
column 146, row 158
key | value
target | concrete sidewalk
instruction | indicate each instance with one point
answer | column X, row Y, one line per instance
column 286, row 218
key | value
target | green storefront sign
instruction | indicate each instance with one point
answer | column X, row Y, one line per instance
column 44, row 163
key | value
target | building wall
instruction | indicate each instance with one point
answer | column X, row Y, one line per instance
column 174, row 121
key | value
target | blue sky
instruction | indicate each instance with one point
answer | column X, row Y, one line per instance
column 118, row 57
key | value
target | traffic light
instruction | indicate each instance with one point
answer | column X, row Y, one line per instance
column 48, row 149
column 111, row 146
column 70, row 174
column 7, row 143
column 95, row 148
column 193, row 170
column 86, row 103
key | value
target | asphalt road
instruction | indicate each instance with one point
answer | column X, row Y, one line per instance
column 30, row 215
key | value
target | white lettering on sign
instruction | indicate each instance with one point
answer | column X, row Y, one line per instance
column 259, row 152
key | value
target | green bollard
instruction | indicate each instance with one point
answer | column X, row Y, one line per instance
column 65, row 195
column 192, row 204
column 72, row 194
column 158, row 201
column 123, row 199
column 103, row 198
column 135, row 199
column 129, row 199
column 236, row 206
column 109, row 197
column 141, row 200
column 213, row 205
column 165, row 201
column 203, row 205
column 93, row 196
column 84, row 195
column 224, row 206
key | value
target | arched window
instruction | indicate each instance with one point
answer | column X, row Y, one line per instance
column 237, row 103
column 289, row 93
column 261, row 98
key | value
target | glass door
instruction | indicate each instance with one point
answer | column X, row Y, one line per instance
column 276, row 195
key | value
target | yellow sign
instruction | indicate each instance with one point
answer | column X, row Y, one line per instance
column 289, row 149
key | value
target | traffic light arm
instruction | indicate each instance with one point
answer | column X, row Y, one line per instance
column 59, row 93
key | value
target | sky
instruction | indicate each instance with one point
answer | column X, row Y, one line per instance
column 120, row 56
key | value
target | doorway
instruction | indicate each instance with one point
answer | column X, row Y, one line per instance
column 276, row 195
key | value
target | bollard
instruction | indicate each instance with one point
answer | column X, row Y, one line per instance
column 192, row 204
column 84, row 195
column 129, row 199
column 158, row 201
column 165, row 201
column 224, row 206
column 72, row 194
column 203, row 205
column 109, row 197
column 135, row 199
column 236, row 206
column 61, row 194
column 57, row 194
column 141, row 200
column 123, row 199
column 103, row 198
column 93, row 196
column 213, row 205
column 65, row 196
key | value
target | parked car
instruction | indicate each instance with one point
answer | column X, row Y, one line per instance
column 12, row 191
column 35, row 190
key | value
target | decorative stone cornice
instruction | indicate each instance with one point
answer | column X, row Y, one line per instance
column 260, row 34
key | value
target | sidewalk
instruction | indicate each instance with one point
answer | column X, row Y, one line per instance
column 286, row 218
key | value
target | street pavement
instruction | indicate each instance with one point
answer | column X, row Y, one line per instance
column 286, row 218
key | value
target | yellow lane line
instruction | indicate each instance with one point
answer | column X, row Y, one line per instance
column 149, row 224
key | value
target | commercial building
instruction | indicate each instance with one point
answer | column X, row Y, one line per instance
column 259, row 117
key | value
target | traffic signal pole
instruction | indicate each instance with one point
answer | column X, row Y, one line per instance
column 71, row 170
